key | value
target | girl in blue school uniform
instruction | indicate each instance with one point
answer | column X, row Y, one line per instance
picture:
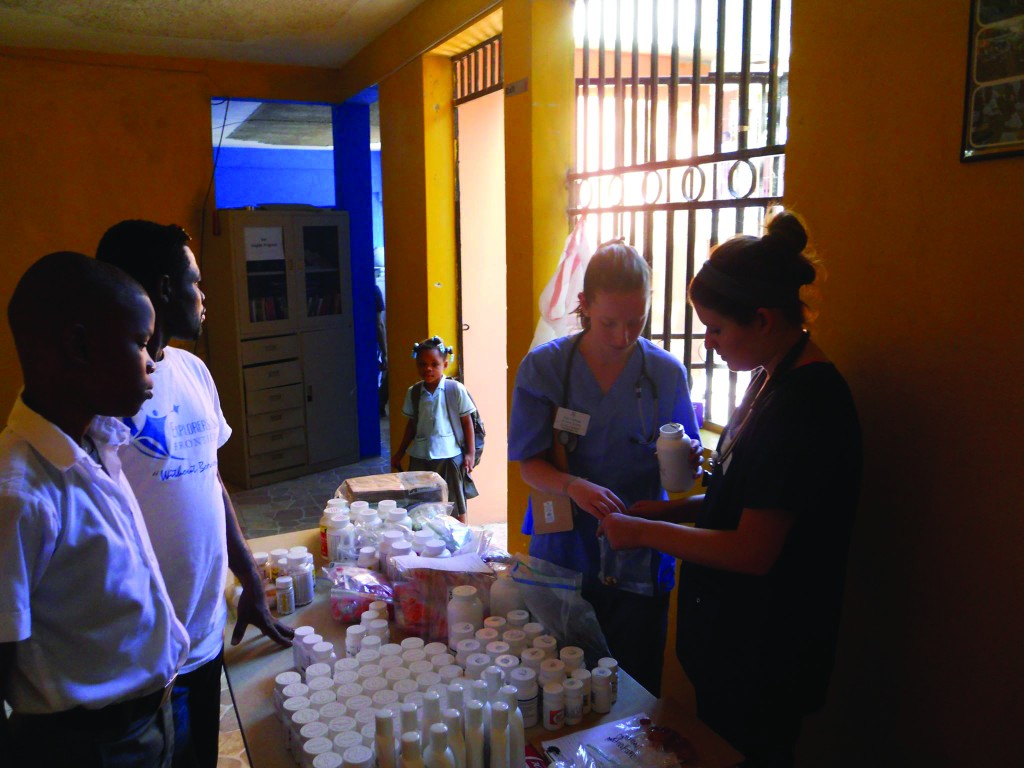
column 586, row 411
column 433, row 442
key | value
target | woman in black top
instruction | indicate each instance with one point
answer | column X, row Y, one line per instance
column 762, row 575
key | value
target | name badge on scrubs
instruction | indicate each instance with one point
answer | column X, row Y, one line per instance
column 575, row 422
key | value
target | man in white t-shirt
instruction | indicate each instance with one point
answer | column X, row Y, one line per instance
column 172, row 467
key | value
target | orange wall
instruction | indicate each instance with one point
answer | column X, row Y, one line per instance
column 922, row 312
column 91, row 139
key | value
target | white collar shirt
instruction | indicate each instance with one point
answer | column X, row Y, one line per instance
column 81, row 593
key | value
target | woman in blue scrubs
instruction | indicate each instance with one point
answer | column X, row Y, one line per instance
column 585, row 417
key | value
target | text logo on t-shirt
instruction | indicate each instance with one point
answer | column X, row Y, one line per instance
column 159, row 440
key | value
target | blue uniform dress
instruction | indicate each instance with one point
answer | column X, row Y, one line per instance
column 617, row 452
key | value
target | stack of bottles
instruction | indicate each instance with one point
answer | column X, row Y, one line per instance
column 553, row 686
column 290, row 573
column 359, row 535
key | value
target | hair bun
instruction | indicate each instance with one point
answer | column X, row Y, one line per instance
column 786, row 233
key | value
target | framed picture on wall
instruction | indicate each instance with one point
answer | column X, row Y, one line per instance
column 994, row 102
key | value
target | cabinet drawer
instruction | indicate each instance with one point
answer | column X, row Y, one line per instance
column 276, row 375
column 277, row 441
column 275, row 421
column 267, row 350
column 268, row 400
column 269, row 462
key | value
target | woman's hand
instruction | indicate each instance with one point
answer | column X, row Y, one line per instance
column 696, row 455
column 621, row 531
column 594, row 499
column 467, row 462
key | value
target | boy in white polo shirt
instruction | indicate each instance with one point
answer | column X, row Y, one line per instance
column 89, row 643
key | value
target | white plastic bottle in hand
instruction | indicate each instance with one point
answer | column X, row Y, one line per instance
column 384, row 741
column 516, row 729
column 412, row 756
column 438, row 754
column 499, row 735
column 475, row 734
column 456, row 735
column 673, row 451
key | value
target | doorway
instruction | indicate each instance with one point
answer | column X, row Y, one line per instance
column 481, row 213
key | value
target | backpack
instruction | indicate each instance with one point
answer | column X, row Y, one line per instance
column 479, row 433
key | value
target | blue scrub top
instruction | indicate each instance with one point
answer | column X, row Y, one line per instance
column 617, row 452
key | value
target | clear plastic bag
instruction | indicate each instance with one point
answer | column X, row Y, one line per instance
column 635, row 742
column 553, row 596
column 353, row 589
column 423, row 587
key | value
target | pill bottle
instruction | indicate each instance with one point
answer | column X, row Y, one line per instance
column 573, row 700
column 601, row 690
column 612, row 666
column 276, row 555
column 505, row 595
column 572, row 657
column 465, row 607
column 518, row 619
column 551, row 671
column 525, row 681
column 583, row 676
column 548, row 644
column 285, row 595
column 353, row 639
column 673, row 451
column 302, row 577
column 554, row 706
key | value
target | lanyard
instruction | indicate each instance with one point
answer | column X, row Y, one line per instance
column 746, row 410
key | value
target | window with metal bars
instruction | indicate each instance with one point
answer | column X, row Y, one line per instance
column 680, row 143
column 478, row 71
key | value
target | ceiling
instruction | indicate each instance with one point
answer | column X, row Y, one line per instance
column 321, row 33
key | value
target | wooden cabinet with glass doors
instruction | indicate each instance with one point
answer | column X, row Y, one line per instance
column 279, row 318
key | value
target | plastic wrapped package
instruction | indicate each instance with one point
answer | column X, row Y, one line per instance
column 553, row 595
column 635, row 742
column 423, row 586
column 405, row 488
column 353, row 589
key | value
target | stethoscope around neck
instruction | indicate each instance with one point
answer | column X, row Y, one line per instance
column 568, row 440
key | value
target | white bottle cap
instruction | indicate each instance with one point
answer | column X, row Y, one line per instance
column 533, row 630
column 385, row 698
column 372, row 685
column 419, row 667
column 260, row 558
column 442, row 660
column 498, row 648
column 390, row 649
column 337, row 503
column 370, row 642
column 433, row 548
column 506, row 662
column 295, row 690
column 396, row 516
column 450, row 673
column 496, row 622
column 347, row 739
column 319, row 669
column 400, row 548
column 341, row 724
column 476, row 663
column 572, row 657
column 532, row 657
column 405, row 686
column 464, row 590
column 284, row 582
column 608, row 663
column 413, row 655
column 518, row 618
column 413, row 643
column 386, row 505
column 355, row 633
column 332, row 710
column 370, row 670
column 487, row 635
column 397, row 673
column 328, row 760
column 315, row 747
column 317, row 699
column 355, row 506
column 346, row 665
column 357, row 703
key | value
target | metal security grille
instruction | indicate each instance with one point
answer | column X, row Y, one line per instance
column 680, row 140
column 478, row 71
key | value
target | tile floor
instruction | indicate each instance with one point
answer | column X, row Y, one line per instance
column 295, row 505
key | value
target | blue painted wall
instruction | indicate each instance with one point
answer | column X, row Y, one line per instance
column 254, row 176
column 355, row 195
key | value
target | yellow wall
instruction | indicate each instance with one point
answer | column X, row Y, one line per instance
column 90, row 139
column 418, row 183
column 921, row 311
column 538, row 46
